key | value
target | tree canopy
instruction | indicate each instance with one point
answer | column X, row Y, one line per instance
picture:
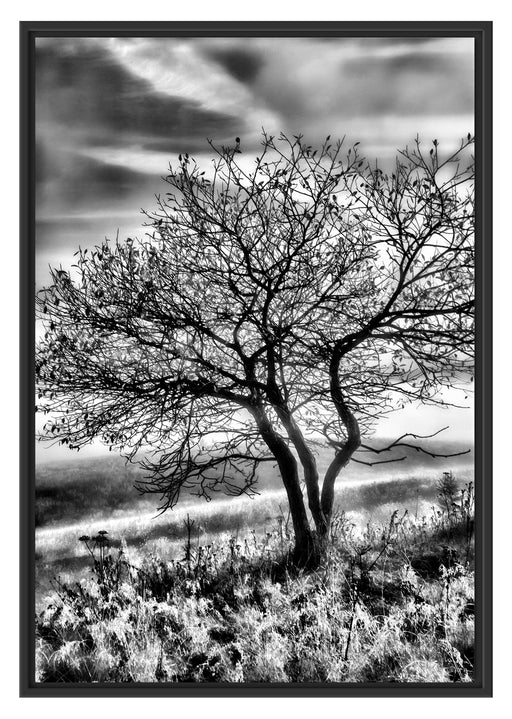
column 264, row 312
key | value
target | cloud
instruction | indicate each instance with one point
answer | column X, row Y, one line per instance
column 86, row 91
column 69, row 183
column 244, row 65
column 184, row 67
column 397, row 42
column 161, row 96
column 316, row 87
column 99, row 124
column 112, row 112
column 409, row 83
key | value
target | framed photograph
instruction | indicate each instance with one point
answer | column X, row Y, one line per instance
column 256, row 330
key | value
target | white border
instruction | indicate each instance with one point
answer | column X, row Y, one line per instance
column 271, row 10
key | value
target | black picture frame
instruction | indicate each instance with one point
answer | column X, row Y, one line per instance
column 482, row 34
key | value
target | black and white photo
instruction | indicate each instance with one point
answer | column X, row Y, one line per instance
column 257, row 261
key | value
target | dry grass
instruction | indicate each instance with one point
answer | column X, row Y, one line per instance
column 391, row 602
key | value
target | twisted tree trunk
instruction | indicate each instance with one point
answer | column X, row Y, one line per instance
column 308, row 462
column 347, row 449
column 305, row 551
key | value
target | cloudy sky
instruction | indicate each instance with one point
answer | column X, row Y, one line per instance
column 112, row 112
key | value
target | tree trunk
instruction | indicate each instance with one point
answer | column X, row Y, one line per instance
column 305, row 550
column 308, row 462
column 345, row 452
column 340, row 460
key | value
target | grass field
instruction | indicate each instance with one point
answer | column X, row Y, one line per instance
column 206, row 593
column 85, row 496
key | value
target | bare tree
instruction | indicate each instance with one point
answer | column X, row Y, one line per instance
column 264, row 313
